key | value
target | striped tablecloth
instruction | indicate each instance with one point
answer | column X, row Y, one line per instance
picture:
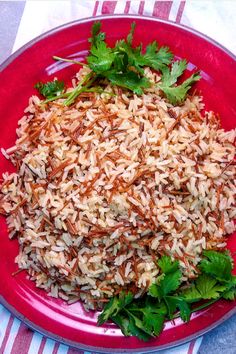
column 214, row 18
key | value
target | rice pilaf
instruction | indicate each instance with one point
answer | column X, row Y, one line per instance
column 106, row 186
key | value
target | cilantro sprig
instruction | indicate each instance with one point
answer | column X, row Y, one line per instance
column 168, row 297
column 123, row 65
column 177, row 93
column 50, row 88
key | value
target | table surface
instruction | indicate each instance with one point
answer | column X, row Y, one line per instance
column 223, row 338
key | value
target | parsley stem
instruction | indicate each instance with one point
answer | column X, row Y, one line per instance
column 62, row 95
column 84, row 89
column 69, row 60
column 77, row 91
column 100, row 90
column 80, row 88
column 203, row 306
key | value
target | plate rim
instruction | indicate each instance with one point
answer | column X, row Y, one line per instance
column 3, row 301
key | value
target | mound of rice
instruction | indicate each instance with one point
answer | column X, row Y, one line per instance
column 106, row 186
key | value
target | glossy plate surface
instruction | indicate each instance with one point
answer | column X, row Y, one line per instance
column 18, row 74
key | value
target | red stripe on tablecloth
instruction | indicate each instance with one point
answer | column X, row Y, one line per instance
column 141, row 7
column 7, row 333
column 162, row 9
column 108, row 7
column 23, row 340
column 127, row 7
column 191, row 347
column 42, row 345
column 95, row 8
column 55, row 349
column 180, row 12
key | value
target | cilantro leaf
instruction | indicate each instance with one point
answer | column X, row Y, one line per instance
column 150, row 318
column 191, row 294
column 114, row 306
column 157, row 59
column 173, row 303
column 230, row 294
column 205, row 287
column 169, row 281
column 217, row 264
column 184, row 309
column 134, row 55
column 154, row 322
column 177, row 94
column 208, row 287
column 131, row 33
column 100, row 58
column 170, row 77
column 167, row 265
column 129, row 80
column 154, row 291
column 154, row 306
column 96, row 34
column 148, row 305
column 123, row 322
column 137, row 329
column 50, row 88
column 121, row 62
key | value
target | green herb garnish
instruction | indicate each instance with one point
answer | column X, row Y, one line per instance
column 50, row 88
column 177, row 93
column 123, row 65
column 168, row 297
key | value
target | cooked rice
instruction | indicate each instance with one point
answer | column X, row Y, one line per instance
column 106, row 186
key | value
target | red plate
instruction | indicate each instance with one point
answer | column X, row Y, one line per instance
column 71, row 324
